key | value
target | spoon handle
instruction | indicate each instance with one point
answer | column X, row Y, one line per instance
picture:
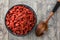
column 53, row 11
column 56, row 7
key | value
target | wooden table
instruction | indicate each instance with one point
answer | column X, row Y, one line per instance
column 42, row 9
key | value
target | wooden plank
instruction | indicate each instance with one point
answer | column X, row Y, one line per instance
column 3, row 10
column 42, row 9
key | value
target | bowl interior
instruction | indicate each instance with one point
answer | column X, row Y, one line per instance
column 26, row 7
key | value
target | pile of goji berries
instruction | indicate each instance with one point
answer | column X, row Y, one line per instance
column 20, row 19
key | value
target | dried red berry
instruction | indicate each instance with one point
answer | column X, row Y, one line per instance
column 20, row 19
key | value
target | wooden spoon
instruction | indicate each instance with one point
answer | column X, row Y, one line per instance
column 43, row 26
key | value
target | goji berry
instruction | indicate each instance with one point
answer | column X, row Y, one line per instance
column 20, row 19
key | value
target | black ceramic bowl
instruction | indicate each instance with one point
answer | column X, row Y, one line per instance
column 29, row 9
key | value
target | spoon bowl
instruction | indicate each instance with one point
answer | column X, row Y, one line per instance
column 42, row 26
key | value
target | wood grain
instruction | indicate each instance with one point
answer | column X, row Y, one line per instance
column 42, row 9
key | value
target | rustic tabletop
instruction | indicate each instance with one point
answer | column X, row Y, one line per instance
column 42, row 9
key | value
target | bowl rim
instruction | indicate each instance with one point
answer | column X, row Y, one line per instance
column 28, row 8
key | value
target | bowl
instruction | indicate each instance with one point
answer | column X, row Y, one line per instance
column 14, row 16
